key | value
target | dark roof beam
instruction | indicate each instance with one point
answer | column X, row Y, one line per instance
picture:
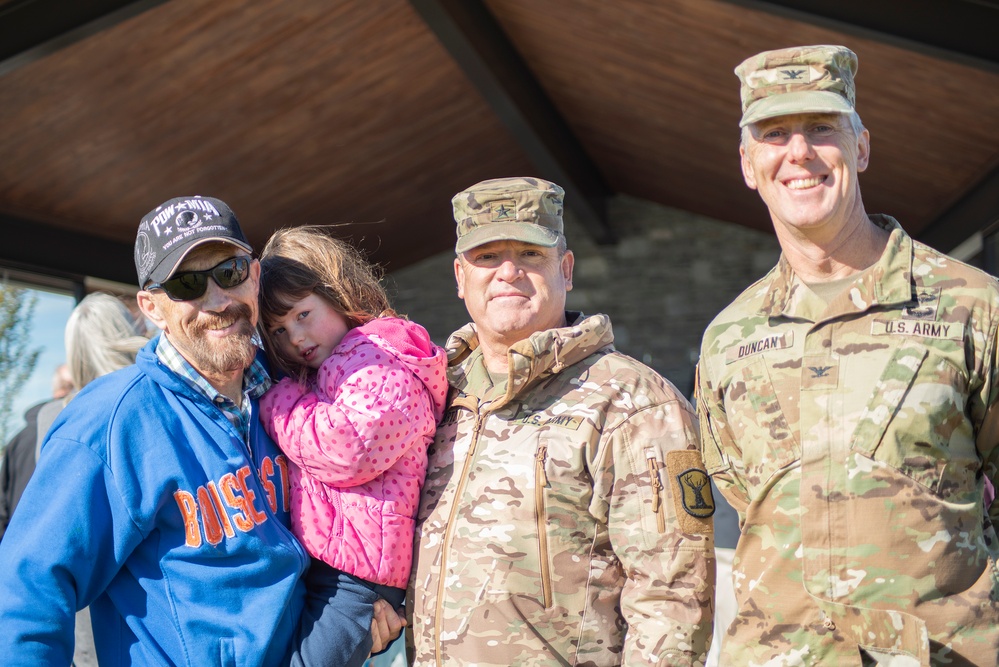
column 49, row 250
column 977, row 211
column 32, row 29
column 480, row 47
column 961, row 31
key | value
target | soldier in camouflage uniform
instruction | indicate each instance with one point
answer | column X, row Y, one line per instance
column 566, row 516
column 846, row 403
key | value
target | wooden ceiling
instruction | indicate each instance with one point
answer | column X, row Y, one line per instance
column 375, row 113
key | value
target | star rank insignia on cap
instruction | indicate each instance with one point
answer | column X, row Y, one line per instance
column 503, row 211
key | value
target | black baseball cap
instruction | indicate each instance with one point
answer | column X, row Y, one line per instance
column 175, row 227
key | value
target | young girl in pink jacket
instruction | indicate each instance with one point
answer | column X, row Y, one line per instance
column 355, row 417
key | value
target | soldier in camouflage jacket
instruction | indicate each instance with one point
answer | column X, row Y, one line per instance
column 851, row 419
column 565, row 517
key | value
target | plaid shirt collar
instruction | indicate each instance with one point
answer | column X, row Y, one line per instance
column 255, row 382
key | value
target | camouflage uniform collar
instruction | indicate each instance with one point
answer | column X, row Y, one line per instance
column 545, row 353
column 888, row 281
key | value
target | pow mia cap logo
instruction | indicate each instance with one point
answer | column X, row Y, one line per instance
column 187, row 220
column 172, row 229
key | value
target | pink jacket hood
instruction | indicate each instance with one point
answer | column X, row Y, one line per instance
column 358, row 443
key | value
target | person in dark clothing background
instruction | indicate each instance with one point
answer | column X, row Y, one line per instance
column 19, row 456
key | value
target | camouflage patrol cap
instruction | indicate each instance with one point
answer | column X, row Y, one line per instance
column 509, row 209
column 801, row 79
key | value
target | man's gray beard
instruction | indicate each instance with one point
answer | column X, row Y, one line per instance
column 233, row 353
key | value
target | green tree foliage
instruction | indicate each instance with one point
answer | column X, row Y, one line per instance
column 17, row 358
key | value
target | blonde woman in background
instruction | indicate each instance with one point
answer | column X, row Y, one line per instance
column 102, row 336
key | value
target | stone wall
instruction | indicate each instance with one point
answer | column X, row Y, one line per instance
column 661, row 284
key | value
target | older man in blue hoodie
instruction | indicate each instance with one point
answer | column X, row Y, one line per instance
column 159, row 500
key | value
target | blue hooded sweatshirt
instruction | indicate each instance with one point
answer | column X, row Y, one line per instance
column 147, row 505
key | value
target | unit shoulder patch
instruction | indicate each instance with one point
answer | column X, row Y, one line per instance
column 690, row 487
column 696, row 497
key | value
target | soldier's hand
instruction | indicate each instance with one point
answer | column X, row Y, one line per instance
column 386, row 626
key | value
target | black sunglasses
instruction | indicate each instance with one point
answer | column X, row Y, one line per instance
column 190, row 285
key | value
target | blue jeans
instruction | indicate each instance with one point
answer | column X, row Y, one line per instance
column 335, row 630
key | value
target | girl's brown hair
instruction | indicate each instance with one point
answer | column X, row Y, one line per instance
column 299, row 261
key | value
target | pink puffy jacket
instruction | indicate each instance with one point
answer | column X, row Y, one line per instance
column 358, row 442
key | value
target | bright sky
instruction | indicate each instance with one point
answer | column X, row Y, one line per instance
column 48, row 326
